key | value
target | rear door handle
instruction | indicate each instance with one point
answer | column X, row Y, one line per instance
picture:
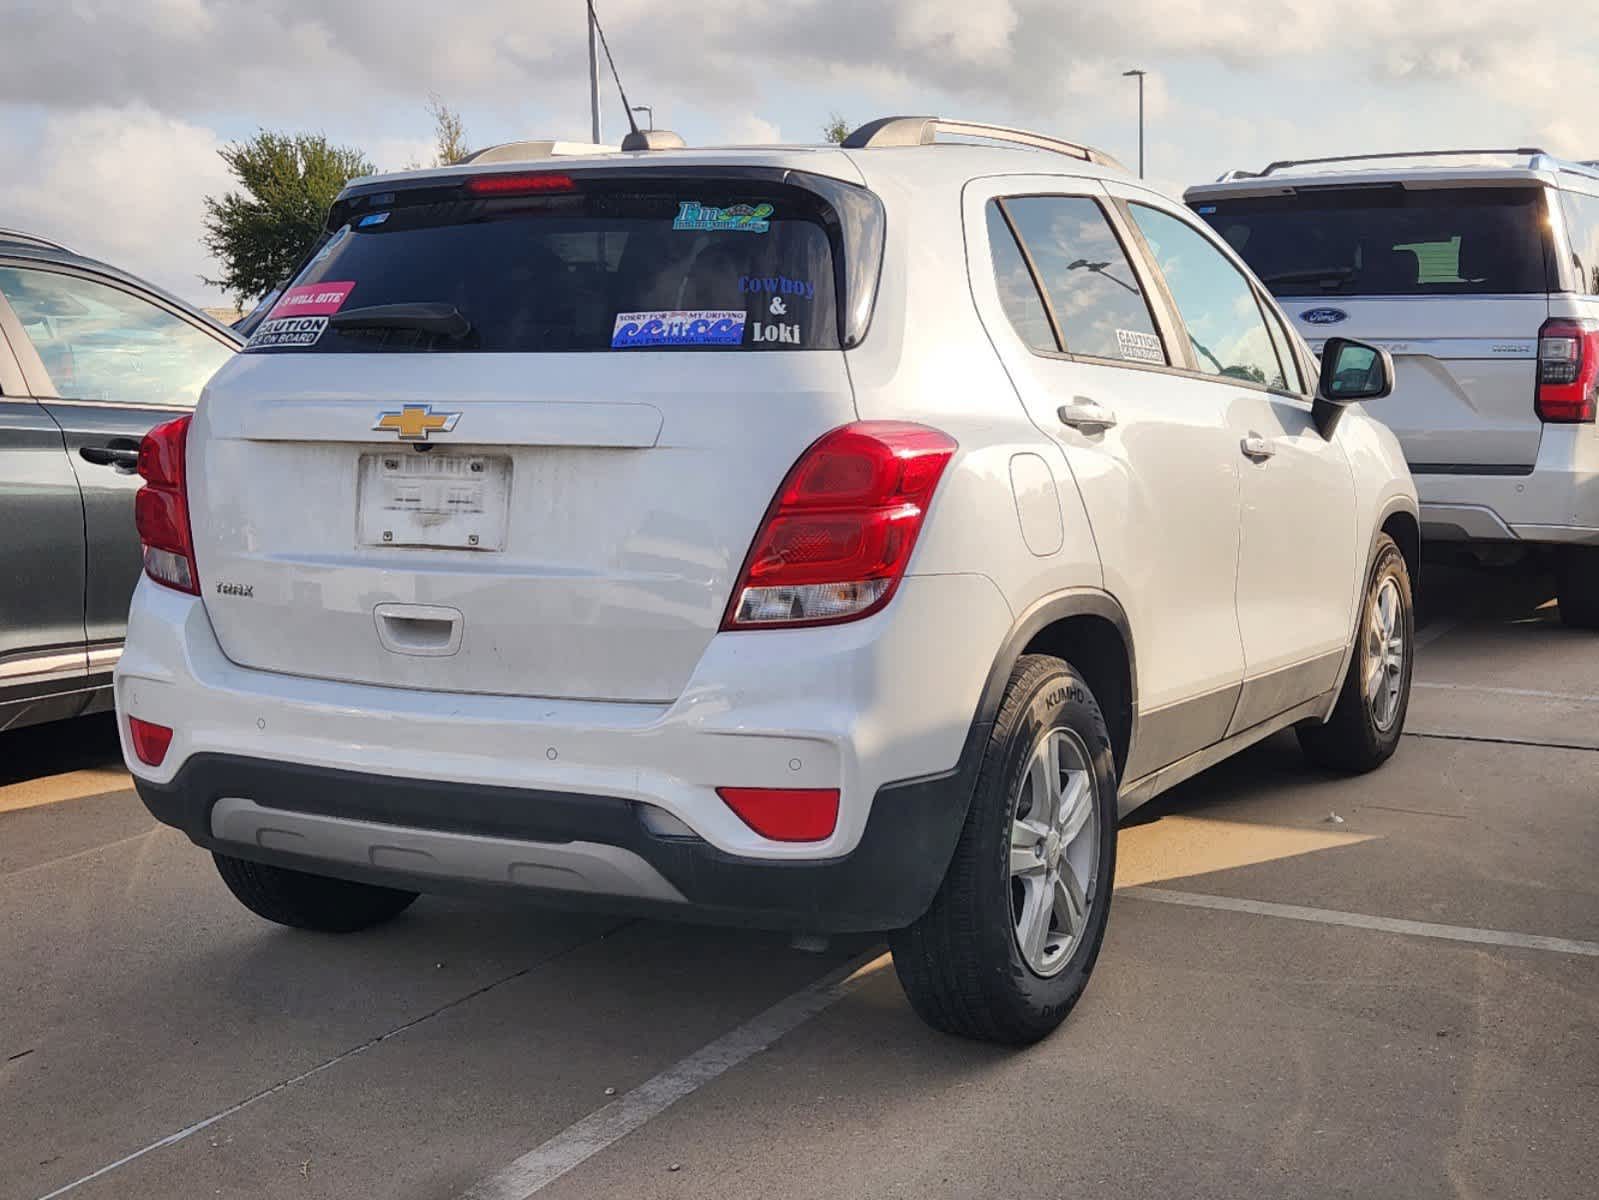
column 1086, row 415
column 1256, row 447
column 121, row 453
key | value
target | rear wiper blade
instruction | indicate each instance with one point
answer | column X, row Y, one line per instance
column 427, row 317
column 1338, row 273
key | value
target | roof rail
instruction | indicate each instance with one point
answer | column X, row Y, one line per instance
column 1537, row 160
column 524, row 151
column 921, row 131
column 32, row 239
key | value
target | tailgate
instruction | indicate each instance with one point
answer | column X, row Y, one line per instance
column 1453, row 279
column 1466, row 370
column 513, row 432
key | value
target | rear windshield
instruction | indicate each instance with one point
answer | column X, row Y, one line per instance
column 604, row 264
column 1390, row 241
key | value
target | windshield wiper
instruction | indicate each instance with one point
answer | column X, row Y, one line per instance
column 445, row 320
column 1325, row 274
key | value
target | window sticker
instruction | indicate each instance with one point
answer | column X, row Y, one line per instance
column 313, row 299
column 777, row 285
column 300, row 317
column 739, row 218
column 775, row 332
column 689, row 327
column 288, row 331
column 1137, row 346
column 374, row 219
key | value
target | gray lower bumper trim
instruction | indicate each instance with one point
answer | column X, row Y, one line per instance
column 564, row 866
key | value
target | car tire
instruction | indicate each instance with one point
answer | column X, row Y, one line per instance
column 1577, row 581
column 963, row 964
column 304, row 901
column 1369, row 717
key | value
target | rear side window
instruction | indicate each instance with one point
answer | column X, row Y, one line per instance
column 1582, row 227
column 599, row 263
column 1092, row 293
column 1390, row 241
column 1224, row 320
column 98, row 342
column 1018, row 294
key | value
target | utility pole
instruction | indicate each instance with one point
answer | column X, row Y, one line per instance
column 594, row 76
column 1140, row 75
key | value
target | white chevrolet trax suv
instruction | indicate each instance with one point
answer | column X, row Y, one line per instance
column 1479, row 271
column 815, row 538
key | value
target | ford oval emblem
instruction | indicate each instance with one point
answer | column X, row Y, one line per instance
column 1323, row 316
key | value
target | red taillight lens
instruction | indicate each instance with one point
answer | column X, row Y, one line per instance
column 785, row 814
column 150, row 741
column 836, row 541
column 521, row 184
column 161, row 508
column 1568, row 370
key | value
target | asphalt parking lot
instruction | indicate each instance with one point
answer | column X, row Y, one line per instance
column 1312, row 986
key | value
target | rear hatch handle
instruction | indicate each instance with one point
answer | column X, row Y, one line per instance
column 421, row 630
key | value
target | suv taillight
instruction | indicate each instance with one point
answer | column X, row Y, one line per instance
column 834, row 544
column 1568, row 369
column 161, row 508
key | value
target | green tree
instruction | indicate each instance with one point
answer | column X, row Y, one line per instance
column 836, row 129
column 449, row 133
column 287, row 182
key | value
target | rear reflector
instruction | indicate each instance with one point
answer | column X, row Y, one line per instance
column 838, row 536
column 1568, row 370
column 150, row 741
column 521, row 184
column 785, row 814
column 161, row 508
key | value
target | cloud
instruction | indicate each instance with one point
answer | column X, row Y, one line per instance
column 125, row 185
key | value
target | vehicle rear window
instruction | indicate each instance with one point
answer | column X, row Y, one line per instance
column 606, row 264
column 1391, row 241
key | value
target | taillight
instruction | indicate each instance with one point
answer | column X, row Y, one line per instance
column 150, row 741
column 1568, row 369
column 834, row 544
column 785, row 814
column 161, row 508
column 521, row 184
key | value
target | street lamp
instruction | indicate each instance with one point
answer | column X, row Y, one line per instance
column 1140, row 74
column 645, row 108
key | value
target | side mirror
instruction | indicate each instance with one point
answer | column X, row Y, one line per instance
column 1351, row 371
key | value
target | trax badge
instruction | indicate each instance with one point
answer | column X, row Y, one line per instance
column 1323, row 316
column 415, row 421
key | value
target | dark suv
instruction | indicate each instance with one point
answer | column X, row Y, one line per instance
column 90, row 359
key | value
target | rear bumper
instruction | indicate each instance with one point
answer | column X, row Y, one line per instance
column 576, row 850
column 439, row 791
column 1556, row 502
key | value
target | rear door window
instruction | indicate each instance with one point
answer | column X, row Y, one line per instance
column 1093, row 294
column 1225, row 324
column 98, row 342
column 583, row 263
column 1390, row 240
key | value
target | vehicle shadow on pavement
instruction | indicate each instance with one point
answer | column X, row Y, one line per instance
column 41, row 750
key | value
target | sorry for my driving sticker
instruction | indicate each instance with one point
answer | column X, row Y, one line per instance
column 682, row 327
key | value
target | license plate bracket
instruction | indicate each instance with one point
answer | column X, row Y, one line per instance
column 440, row 500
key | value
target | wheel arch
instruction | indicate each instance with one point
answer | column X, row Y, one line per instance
column 1089, row 629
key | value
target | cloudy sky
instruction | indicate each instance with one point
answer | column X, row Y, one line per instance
column 111, row 111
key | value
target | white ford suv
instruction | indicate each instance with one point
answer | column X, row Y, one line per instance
column 1479, row 271
column 816, row 538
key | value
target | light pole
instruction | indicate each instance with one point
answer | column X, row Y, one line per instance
column 648, row 109
column 1140, row 74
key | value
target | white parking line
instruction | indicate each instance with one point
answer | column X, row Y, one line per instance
column 581, row 1141
column 1327, row 916
column 1536, row 693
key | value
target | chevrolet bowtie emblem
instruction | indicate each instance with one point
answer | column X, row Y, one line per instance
column 415, row 421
